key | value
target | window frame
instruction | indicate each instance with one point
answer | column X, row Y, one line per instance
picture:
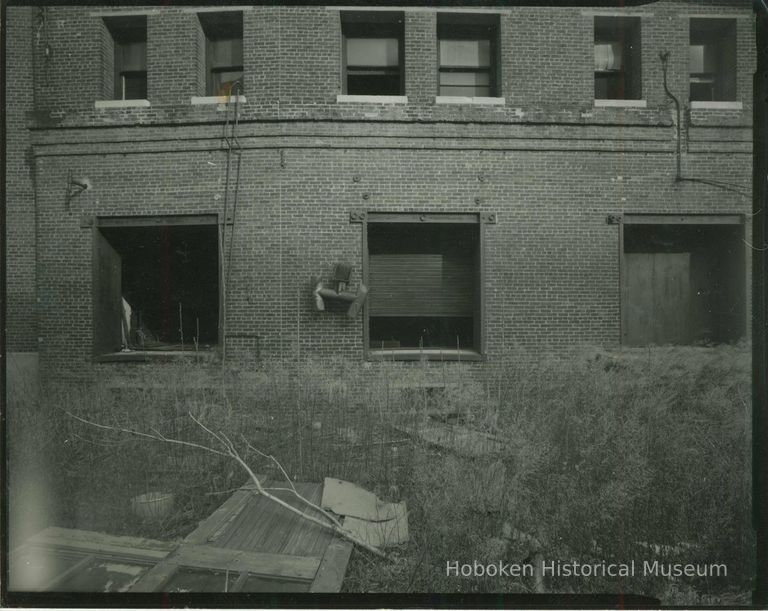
column 728, row 25
column 377, row 19
column 478, row 352
column 624, row 220
column 204, row 19
column 101, row 222
column 633, row 25
column 124, row 30
column 467, row 22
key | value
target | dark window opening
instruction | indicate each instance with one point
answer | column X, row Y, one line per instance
column 157, row 288
column 424, row 286
column 129, row 35
column 468, row 55
column 223, row 52
column 683, row 284
column 713, row 60
column 617, row 58
column 373, row 53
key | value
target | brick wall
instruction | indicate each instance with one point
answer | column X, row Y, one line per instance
column 19, row 186
column 548, row 163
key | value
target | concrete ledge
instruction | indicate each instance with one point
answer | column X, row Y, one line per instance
column 621, row 103
column 430, row 354
column 217, row 99
column 700, row 105
column 373, row 99
column 121, row 103
column 458, row 99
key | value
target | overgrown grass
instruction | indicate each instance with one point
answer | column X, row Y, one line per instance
column 605, row 457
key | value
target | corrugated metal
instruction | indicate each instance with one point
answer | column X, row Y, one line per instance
column 421, row 285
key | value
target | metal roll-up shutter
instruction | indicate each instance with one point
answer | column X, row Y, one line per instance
column 427, row 271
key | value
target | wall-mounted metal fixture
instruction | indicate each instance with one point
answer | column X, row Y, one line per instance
column 356, row 178
column 613, row 219
column 356, row 216
column 339, row 292
column 76, row 186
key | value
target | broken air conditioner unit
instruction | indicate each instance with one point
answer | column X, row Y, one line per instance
column 339, row 292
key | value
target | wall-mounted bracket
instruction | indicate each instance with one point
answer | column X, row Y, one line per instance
column 86, row 221
column 613, row 219
column 357, row 216
column 489, row 218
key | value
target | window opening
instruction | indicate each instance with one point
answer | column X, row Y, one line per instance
column 223, row 52
column 683, row 284
column 713, row 60
column 373, row 53
column 468, row 55
column 617, row 58
column 424, row 285
column 157, row 287
column 129, row 36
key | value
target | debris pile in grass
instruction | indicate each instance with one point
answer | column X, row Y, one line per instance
column 642, row 454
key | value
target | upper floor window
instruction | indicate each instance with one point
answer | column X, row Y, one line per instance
column 617, row 58
column 223, row 52
column 713, row 60
column 129, row 36
column 373, row 53
column 468, row 55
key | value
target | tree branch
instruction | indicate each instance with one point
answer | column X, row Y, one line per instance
column 231, row 452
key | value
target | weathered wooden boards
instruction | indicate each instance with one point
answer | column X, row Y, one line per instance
column 60, row 559
column 249, row 544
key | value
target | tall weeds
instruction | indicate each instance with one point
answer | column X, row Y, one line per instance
column 605, row 457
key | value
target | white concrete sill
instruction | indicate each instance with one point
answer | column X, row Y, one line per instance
column 373, row 99
column 458, row 99
column 122, row 103
column 217, row 99
column 700, row 105
column 621, row 103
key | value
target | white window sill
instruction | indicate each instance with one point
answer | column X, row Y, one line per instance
column 621, row 103
column 699, row 105
column 373, row 99
column 458, row 99
column 121, row 103
column 216, row 99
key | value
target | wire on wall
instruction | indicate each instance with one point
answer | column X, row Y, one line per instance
column 226, row 243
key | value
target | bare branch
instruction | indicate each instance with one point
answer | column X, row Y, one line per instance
column 293, row 488
column 157, row 437
column 231, row 452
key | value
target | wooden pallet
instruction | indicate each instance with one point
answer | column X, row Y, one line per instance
column 249, row 544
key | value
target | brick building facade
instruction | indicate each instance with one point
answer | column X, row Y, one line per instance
column 532, row 214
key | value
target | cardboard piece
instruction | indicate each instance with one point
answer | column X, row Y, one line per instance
column 366, row 516
column 381, row 534
column 347, row 499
